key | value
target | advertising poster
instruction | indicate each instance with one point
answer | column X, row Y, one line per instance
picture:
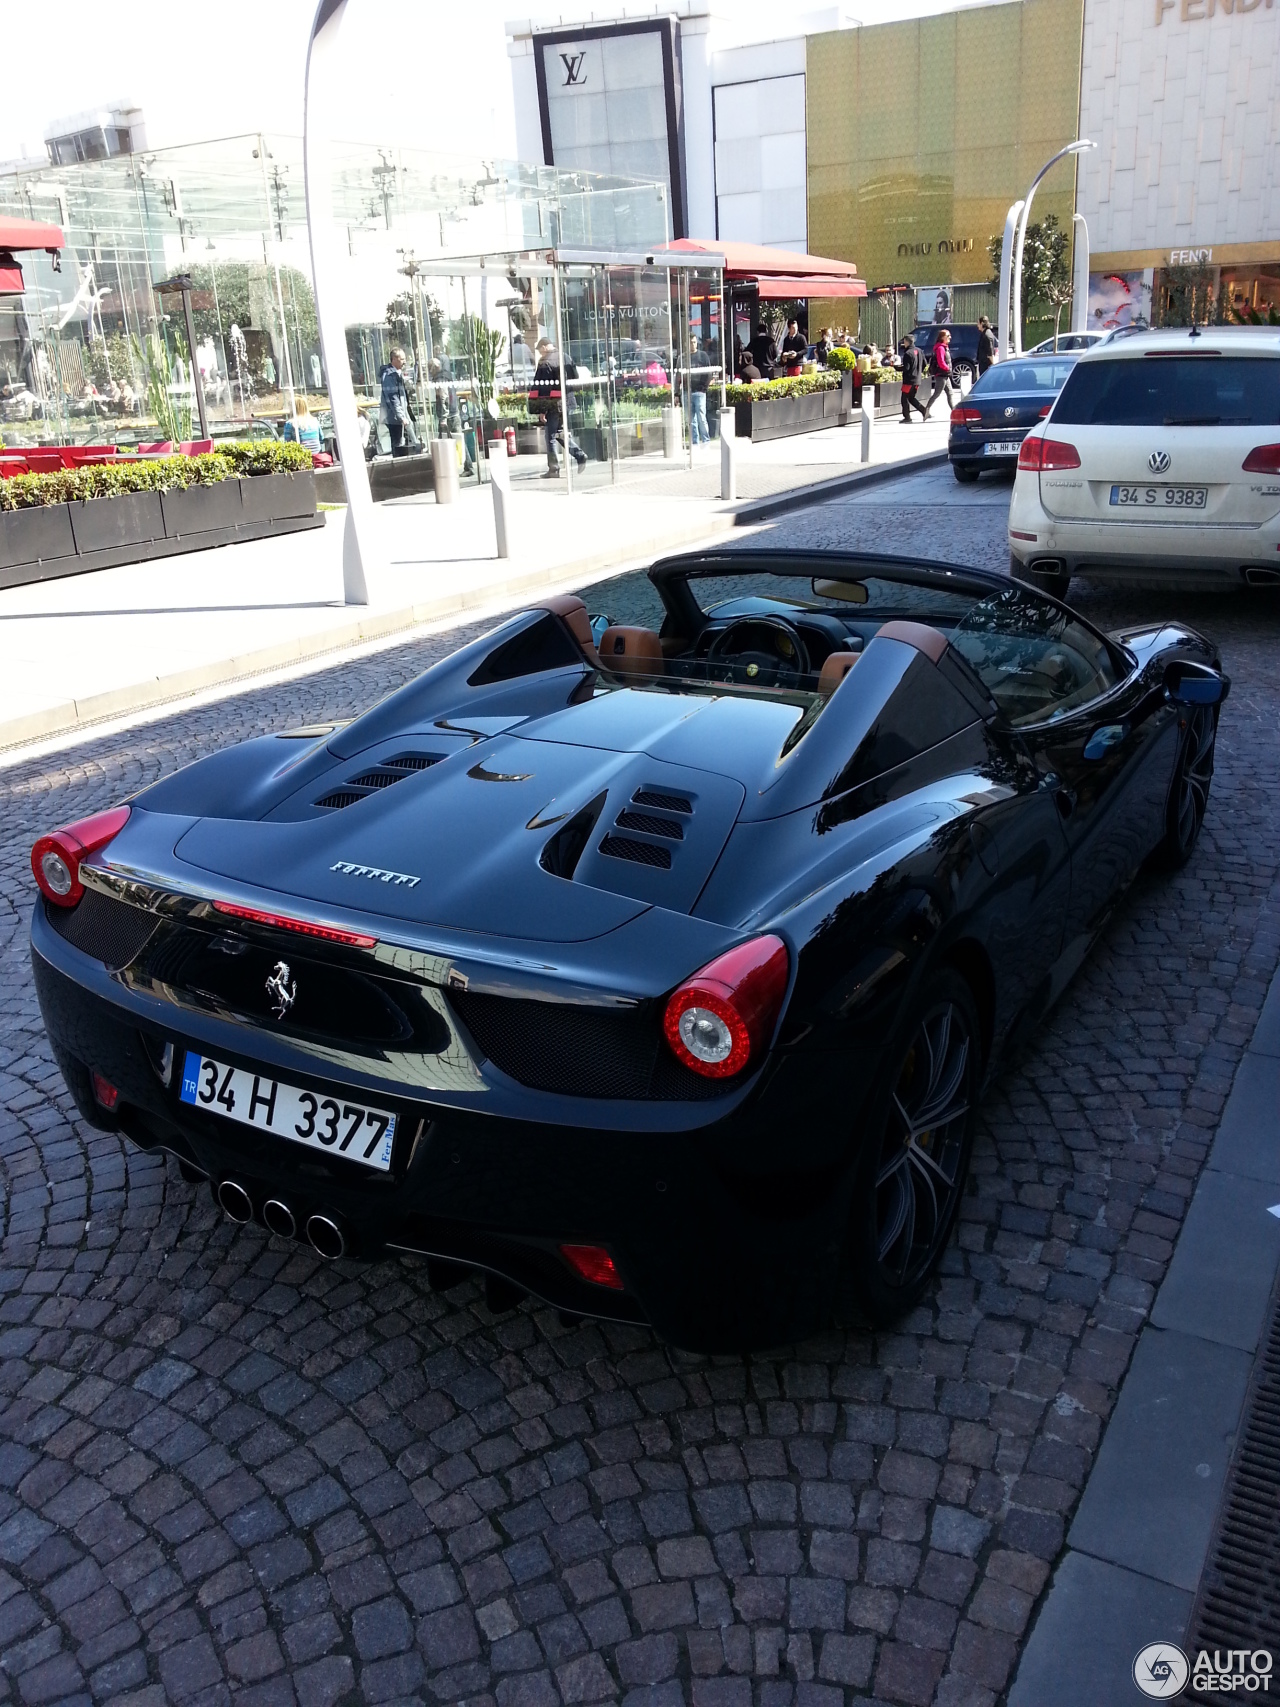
column 933, row 306
column 1119, row 299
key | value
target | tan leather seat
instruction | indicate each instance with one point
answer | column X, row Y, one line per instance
column 931, row 641
column 573, row 613
column 834, row 670
column 632, row 652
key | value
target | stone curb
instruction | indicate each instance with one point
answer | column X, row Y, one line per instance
column 762, row 509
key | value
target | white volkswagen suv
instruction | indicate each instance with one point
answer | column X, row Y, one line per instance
column 1159, row 461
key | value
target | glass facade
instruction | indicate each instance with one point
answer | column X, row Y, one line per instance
column 92, row 354
column 922, row 133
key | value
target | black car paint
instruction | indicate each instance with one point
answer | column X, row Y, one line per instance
column 725, row 1208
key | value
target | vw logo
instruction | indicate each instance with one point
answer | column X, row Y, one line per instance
column 1010, row 413
column 1158, row 462
column 282, row 989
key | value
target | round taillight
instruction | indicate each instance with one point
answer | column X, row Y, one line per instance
column 56, row 873
column 725, row 1014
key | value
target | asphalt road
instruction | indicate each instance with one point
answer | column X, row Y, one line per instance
column 229, row 1472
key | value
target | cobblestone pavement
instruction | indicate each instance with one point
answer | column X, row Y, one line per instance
column 228, row 1472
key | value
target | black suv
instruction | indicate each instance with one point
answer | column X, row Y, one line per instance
column 964, row 345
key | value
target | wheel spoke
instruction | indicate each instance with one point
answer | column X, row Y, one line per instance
column 930, row 1165
column 921, row 1177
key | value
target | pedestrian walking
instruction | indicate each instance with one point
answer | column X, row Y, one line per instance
column 910, row 381
column 944, row 377
column 397, row 416
column 986, row 345
column 699, row 381
column 548, row 401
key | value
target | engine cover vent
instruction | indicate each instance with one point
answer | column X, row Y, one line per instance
column 381, row 775
column 649, row 824
column 664, row 802
column 641, row 853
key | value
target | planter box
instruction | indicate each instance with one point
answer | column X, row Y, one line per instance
column 889, row 398
column 780, row 417
column 639, row 438
column 270, row 497
column 401, row 476
column 530, row 441
column 106, row 524
column 35, row 536
column 201, row 509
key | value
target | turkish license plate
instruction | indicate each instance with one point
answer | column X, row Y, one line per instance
column 997, row 447
column 1160, row 497
column 322, row 1123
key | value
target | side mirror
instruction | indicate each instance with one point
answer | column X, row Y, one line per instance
column 1195, row 684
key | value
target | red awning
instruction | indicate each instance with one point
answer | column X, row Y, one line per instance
column 10, row 277
column 29, row 234
column 810, row 285
column 751, row 260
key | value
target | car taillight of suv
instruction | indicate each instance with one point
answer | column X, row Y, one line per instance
column 1038, row 454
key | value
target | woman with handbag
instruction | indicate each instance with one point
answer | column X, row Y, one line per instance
column 944, row 377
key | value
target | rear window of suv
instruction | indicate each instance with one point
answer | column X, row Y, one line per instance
column 1172, row 391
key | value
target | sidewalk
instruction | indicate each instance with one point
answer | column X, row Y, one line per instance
column 119, row 640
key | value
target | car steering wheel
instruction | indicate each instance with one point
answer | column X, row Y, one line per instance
column 789, row 655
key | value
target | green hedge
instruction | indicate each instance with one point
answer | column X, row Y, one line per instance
column 154, row 474
column 799, row 386
column 840, row 357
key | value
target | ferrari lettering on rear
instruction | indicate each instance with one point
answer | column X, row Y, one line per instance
column 401, row 879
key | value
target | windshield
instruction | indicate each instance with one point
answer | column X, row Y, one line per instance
column 863, row 596
column 1048, row 374
column 1173, row 391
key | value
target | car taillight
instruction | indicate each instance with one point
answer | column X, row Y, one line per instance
column 963, row 417
column 1038, row 453
column 593, row 1263
column 282, row 922
column 1264, row 460
column 55, row 859
column 1044, row 412
column 722, row 1016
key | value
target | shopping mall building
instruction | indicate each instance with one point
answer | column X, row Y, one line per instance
column 901, row 146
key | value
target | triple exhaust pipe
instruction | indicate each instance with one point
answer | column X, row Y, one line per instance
column 323, row 1233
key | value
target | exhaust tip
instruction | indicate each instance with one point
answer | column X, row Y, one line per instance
column 278, row 1218
column 326, row 1237
column 235, row 1201
column 1256, row 577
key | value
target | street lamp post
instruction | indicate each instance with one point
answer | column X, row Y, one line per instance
column 1081, row 146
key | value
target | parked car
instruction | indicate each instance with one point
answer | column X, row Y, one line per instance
column 964, row 345
column 1076, row 341
column 660, row 979
column 1160, row 459
column 988, row 428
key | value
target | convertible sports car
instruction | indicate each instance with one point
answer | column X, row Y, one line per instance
column 655, row 972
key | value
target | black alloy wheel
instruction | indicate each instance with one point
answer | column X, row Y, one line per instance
column 1189, row 791
column 913, row 1172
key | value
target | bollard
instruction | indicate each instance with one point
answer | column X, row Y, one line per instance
column 444, row 469
column 728, row 458
column 672, row 436
column 500, row 483
column 868, row 416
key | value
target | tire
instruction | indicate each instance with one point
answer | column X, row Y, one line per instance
column 1189, row 790
column 911, row 1175
column 966, row 476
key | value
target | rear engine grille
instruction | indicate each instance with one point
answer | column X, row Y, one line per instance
column 579, row 1051
column 642, row 853
column 649, row 824
column 1239, row 1600
column 381, row 775
column 664, row 802
column 109, row 930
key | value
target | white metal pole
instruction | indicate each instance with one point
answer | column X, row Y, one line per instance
column 323, row 68
column 1077, row 147
column 1003, row 343
column 1080, row 277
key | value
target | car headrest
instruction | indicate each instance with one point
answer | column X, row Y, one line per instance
column 632, row 652
column 931, row 641
column 834, row 670
column 573, row 613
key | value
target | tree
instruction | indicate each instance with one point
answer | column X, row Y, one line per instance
column 233, row 285
column 1187, row 297
column 1046, row 268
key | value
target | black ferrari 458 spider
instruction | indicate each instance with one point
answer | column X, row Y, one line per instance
column 655, row 971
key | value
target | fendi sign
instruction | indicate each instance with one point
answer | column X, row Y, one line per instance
column 1192, row 11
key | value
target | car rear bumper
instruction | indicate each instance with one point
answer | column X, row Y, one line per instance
column 715, row 1255
column 1141, row 552
column 971, row 452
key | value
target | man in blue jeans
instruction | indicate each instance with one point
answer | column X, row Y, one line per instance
column 699, row 380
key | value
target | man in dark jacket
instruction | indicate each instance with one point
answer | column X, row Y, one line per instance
column 910, row 380
column 794, row 347
column 548, row 401
column 986, row 345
